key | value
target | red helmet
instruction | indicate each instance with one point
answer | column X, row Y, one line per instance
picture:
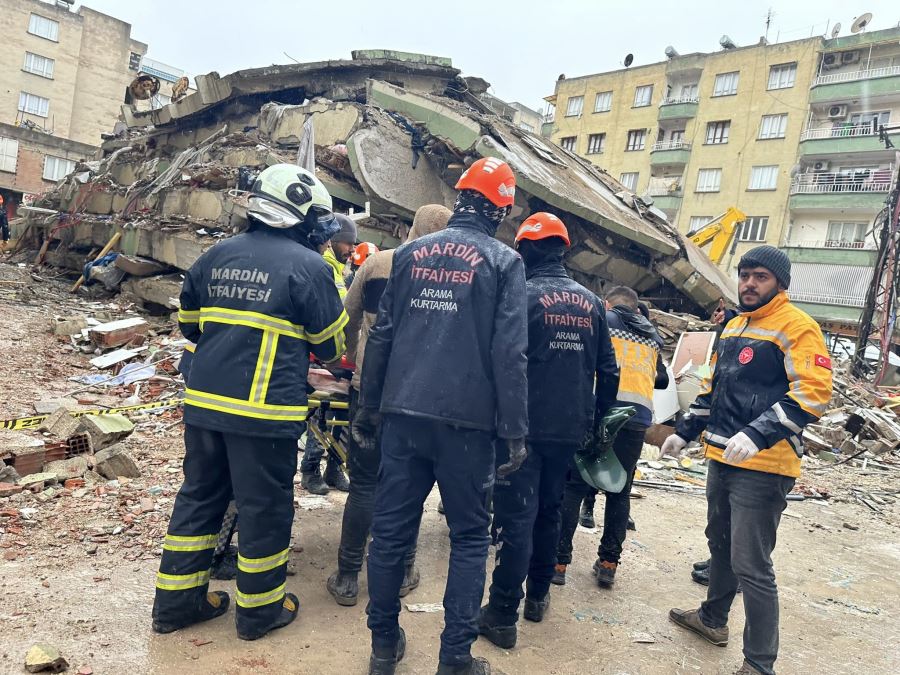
column 491, row 177
column 363, row 251
column 542, row 225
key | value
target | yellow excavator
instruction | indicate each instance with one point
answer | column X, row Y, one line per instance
column 720, row 231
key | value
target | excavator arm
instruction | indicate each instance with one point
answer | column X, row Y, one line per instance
column 720, row 231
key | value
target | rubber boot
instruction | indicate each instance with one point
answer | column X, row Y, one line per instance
column 477, row 666
column 312, row 482
column 502, row 635
column 214, row 604
column 344, row 588
column 289, row 610
column 383, row 661
column 334, row 476
column 410, row 580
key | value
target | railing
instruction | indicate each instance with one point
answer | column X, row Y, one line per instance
column 852, row 76
column 664, row 192
column 861, row 181
column 838, row 131
column 832, row 243
column 826, row 299
column 679, row 99
column 670, row 145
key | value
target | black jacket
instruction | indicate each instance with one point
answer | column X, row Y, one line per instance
column 256, row 305
column 568, row 344
column 450, row 338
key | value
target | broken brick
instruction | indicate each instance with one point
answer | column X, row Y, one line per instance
column 130, row 331
column 8, row 489
column 73, row 483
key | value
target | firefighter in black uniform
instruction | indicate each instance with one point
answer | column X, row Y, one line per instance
column 445, row 363
column 568, row 344
column 255, row 305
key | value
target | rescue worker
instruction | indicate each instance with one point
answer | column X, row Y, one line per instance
column 771, row 377
column 361, row 304
column 568, row 345
column 4, row 224
column 445, row 364
column 360, row 254
column 641, row 370
column 336, row 253
column 256, row 305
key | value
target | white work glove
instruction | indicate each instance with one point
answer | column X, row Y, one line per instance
column 739, row 449
column 673, row 445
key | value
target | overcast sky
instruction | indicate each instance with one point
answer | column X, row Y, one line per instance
column 520, row 48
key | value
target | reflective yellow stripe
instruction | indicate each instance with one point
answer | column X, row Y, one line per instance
column 331, row 331
column 190, row 347
column 257, row 565
column 188, row 316
column 181, row 582
column 239, row 317
column 236, row 406
column 264, row 364
column 177, row 542
column 259, row 599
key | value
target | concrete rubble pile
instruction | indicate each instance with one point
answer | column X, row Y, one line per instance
column 392, row 131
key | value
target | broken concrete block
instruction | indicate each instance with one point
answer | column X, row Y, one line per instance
column 119, row 333
column 60, row 423
column 827, row 456
column 65, row 469
column 113, row 462
column 68, row 325
column 50, row 406
column 105, row 430
column 8, row 489
column 44, row 658
column 37, row 480
column 80, row 444
column 8, row 474
column 139, row 267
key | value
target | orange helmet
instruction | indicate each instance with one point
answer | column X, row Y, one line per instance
column 491, row 177
column 363, row 251
column 542, row 225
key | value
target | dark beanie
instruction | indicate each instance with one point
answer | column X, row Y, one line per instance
column 772, row 259
column 347, row 233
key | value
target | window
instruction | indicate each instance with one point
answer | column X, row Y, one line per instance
column 643, row 95
column 726, row 84
column 636, row 139
column 57, row 168
column 134, row 61
column 697, row 222
column 763, row 178
column 603, row 102
column 43, row 27
column 34, row 105
column 773, row 126
column 596, row 143
column 629, row 180
column 868, row 119
column 846, row 234
column 782, row 76
column 568, row 143
column 754, row 229
column 9, row 154
column 39, row 65
column 574, row 106
column 688, row 91
column 676, row 136
column 522, row 125
column 709, row 180
column 717, row 132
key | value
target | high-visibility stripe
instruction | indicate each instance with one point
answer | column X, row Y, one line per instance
column 190, row 347
column 699, row 412
column 257, row 565
column 715, row 438
column 269, row 368
column 236, row 406
column 249, row 600
column 263, row 366
column 239, row 317
column 330, row 331
column 178, row 542
column 188, row 316
column 785, row 420
column 181, row 582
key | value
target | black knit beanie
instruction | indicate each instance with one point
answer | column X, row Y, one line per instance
column 772, row 259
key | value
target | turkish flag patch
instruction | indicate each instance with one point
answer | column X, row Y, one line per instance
column 823, row 361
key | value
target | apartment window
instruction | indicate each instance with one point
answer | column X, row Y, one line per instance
column 643, row 96
column 846, row 234
column 522, row 125
column 676, row 136
column 717, row 132
column 568, row 143
column 603, row 102
column 782, row 76
column 773, row 126
column 636, row 139
column 34, row 105
column 39, row 65
column 574, row 106
column 43, row 27
column 9, row 154
column 596, row 143
column 698, row 222
column 870, row 119
column 57, row 168
column 688, row 91
column 754, row 229
column 763, row 178
column 726, row 84
column 709, row 180
column 134, row 61
column 629, row 180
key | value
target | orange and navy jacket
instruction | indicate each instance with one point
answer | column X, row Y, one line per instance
column 771, row 377
column 641, row 368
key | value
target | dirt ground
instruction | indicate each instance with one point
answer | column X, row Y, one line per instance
column 78, row 572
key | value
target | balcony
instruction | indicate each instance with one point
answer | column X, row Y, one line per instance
column 681, row 108
column 860, row 190
column 840, row 139
column 666, row 199
column 670, row 153
column 871, row 84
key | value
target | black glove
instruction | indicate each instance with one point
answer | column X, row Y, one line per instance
column 364, row 428
column 518, row 453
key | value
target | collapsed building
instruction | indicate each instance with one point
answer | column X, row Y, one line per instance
column 391, row 132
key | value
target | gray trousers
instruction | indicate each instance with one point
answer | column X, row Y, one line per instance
column 743, row 511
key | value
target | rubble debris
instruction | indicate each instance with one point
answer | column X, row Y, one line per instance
column 60, row 423
column 45, row 658
column 68, row 325
column 114, row 357
column 9, row 489
column 105, row 430
column 38, row 480
column 130, row 331
column 65, row 469
column 137, row 266
column 114, row 461
column 8, row 474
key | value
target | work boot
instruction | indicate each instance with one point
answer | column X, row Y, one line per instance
column 224, row 566
column 586, row 516
column 630, row 525
column 477, row 666
column 559, row 575
column 701, row 576
column 410, row 580
column 690, row 619
column 312, row 482
column 702, row 565
column 535, row 608
column 344, row 588
column 605, row 572
column 215, row 604
column 747, row 669
column 384, row 660
column 289, row 609
column 502, row 635
column 335, row 477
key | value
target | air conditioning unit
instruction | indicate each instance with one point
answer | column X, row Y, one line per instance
column 850, row 57
column 822, row 166
column 830, row 61
column 837, row 112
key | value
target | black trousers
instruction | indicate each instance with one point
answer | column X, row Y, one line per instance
column 627, row 447
column 260, row 473
column 743, row 512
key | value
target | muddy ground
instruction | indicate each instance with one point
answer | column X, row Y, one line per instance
column 66, row 579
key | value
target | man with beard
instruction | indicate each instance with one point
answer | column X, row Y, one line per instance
column 771, row 377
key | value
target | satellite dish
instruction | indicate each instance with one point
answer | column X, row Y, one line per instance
column 836, row 30
column 629, row 59
column 670, row 52
column 861, row 22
